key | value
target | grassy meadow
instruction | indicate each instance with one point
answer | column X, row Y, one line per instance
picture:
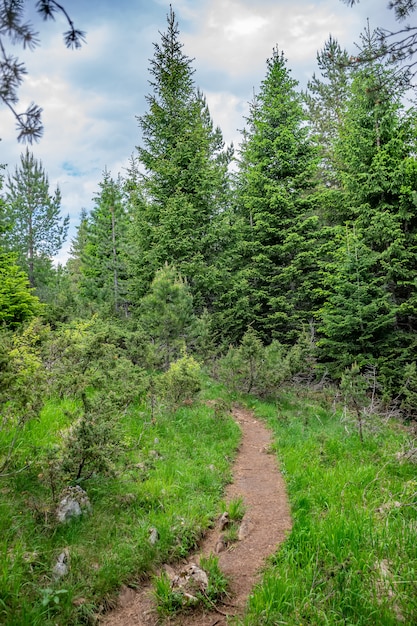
column 351, row 557
column 170, row 478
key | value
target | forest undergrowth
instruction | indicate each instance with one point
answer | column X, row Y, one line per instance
column 161, row 495
column 350, row 558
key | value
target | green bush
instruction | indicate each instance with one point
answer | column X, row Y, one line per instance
column 22, row 384
column 181, row 382
column 261, row 370
column 92, row 354
column 92, row 444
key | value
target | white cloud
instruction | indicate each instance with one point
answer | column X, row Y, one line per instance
column 237, row 37
column 228, row 112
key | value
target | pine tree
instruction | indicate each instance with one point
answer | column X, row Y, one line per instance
column 276, row 170
column 17, row 302
column 184, row 186
column 166, row 314
column 36, row 230
column 358, row 314
column 101, row 248
column 376, row 153
column 326, row 99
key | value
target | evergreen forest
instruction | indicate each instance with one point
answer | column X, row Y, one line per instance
column 280, row 273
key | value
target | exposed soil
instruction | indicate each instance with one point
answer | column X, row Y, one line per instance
column 256, row 478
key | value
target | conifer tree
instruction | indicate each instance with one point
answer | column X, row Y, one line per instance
column 378, row 171
column 183, row 189
column 100, row 249
column 357, row 315
column 326, row 98
column 276, row 170
column 35, row 228
column 166, row 313
column 17, row 302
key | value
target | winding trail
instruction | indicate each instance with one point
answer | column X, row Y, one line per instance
column 256, row 478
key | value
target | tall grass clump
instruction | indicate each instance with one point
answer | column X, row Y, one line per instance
column 351, row 557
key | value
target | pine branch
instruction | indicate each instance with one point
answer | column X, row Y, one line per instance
column 29, row 124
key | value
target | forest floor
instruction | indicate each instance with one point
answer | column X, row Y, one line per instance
column 267, row 521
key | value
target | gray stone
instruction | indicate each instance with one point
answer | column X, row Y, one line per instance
column 61, row 567
column 74, row 503
column 153, row 535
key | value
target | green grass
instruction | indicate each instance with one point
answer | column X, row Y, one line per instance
column 351, row 557
column 170, row 477
column 235, row 508
column 169, row 601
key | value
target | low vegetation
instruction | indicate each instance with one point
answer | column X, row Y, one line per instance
column 194, row 587
column 152, row 505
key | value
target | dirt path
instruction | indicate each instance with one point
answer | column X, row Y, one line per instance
column 257, row 480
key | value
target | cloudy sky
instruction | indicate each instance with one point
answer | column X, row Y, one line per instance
column 91, row 97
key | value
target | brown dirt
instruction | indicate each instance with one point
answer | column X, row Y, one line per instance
column 267, row 521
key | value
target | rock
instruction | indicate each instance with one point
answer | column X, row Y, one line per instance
column 196, row 576
column 61, row 567
column 74, row 502
column 220, row 545
column 171, row 573
column 190, row 599
column 153, row 535
column 68, row 509
column 224, row 520
column 244, row 528
column 190, row 580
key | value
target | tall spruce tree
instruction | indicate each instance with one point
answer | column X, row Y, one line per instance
column 17, row 302
column 35, row 227
column 378, row 170
column 183, row 189
column 357, row 315
column 276, row 169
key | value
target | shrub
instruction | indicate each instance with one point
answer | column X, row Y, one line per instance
column 22, row 379
column 92, row 444
column 261, row 370
column 181, row 382
column 92, row 353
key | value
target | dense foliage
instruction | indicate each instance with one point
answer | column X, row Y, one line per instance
column 313, row 228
